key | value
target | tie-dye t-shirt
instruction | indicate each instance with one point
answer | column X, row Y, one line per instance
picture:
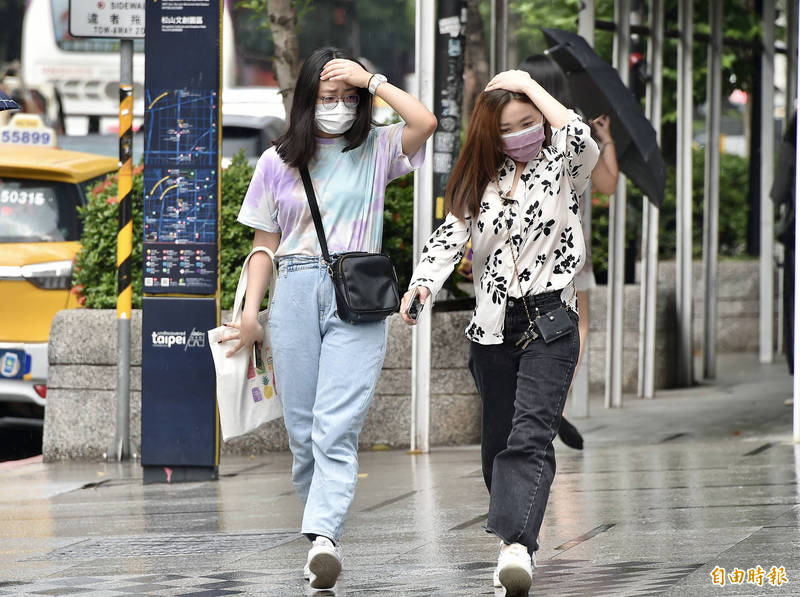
column 349, row 186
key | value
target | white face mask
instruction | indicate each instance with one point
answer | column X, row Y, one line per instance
column 337, row 120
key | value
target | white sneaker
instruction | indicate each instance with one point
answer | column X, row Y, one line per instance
column 324, row 563
column 514, row 569
column 496, row 575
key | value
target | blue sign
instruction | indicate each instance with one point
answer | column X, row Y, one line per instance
column 180, row 439
column 181, row 151
column 14, row 364
column 179, row 406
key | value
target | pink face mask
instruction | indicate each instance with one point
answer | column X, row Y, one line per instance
column 524, row 145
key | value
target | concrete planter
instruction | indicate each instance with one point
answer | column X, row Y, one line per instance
column 79, row 418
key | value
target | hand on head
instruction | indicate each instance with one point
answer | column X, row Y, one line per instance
column 516, row 81
column 351, row 73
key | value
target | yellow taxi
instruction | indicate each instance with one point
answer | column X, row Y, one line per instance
column 41, row 188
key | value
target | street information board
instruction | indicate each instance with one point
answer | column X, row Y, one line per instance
column 181, row 147
column 120, row 19
column 180, row 235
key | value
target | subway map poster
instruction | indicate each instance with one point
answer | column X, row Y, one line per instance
column 181, row 148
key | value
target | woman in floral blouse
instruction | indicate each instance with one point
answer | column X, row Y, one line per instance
column 514, row 191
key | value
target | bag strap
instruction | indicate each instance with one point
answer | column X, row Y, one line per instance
column 312, row 203
column 241, row 288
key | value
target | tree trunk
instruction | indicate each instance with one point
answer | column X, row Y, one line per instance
column 476, row 65
column 283, row 24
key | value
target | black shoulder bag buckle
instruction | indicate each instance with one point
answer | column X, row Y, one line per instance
column 365, row 283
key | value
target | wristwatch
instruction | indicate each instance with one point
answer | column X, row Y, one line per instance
column 374, row 81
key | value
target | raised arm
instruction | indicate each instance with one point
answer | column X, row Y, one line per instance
column 518, row 81
column 420, row 122
column 606, row 172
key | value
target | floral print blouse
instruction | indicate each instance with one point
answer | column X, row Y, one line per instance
column 541, row 220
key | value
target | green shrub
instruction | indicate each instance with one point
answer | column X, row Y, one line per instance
column 95, row 272
column 236, row 239
column 734, row 208
column 95, row 276
column 398, row 227
column 734, row 212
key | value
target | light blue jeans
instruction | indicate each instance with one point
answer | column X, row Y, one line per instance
column 326, row 371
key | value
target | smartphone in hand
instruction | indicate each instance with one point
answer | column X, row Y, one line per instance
column 415, row 306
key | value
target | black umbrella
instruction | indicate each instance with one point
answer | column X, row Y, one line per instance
column 6, row 103
column 597, row 89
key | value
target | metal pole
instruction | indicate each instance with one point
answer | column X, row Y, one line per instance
column 683, row 193
column 586, row 21
column 121, row 449
column 498, row 52
column 796, row 377
column 791, row 54
column 711, row 205
column 580, row 387
column 423, row 219
column 650, row 215
column 766, row 297
column 791, row 93
column 616, row 232
column 448, row 94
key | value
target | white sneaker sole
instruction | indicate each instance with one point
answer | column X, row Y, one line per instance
column 325, row 569
column 516, row 580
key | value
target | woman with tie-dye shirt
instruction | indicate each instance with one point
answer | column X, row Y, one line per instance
column 326, row 369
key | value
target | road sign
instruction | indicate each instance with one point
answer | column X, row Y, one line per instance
column 121, row 19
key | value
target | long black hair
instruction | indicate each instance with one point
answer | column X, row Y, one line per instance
column 549, row 75
column 298, row 145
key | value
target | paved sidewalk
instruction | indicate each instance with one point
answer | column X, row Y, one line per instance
column 664, row 492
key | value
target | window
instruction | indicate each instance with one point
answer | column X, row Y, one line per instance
column 38, row 211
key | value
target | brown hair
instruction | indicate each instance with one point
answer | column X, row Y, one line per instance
column 481, row 154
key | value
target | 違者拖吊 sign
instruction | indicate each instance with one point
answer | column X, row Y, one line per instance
column 121, row 19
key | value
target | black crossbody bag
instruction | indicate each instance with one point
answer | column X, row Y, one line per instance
column 365, row 283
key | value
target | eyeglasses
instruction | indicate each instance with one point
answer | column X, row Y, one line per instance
column 329, row 102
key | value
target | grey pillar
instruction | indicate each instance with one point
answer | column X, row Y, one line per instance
column 121, row 448
column 711, row 205
column 791, row 54
column 586, row 21
column 580, row 387
column 498, row 28
column 423, row 221
column 766, row 298
column 650, row 214
column 683, row 194
column 796, row 378
column 616, row 232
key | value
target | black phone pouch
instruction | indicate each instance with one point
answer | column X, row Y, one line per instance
column 554, row 325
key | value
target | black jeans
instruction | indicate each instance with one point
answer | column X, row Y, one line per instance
column 523, row 394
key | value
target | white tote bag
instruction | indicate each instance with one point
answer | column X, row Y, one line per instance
column 245, row 381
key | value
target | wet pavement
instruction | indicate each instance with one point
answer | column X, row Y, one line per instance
column 665, row 492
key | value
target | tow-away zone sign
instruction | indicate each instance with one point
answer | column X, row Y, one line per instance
column 121, row 19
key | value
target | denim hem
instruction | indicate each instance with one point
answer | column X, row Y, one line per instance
column 491, row 531
column 332, row 536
